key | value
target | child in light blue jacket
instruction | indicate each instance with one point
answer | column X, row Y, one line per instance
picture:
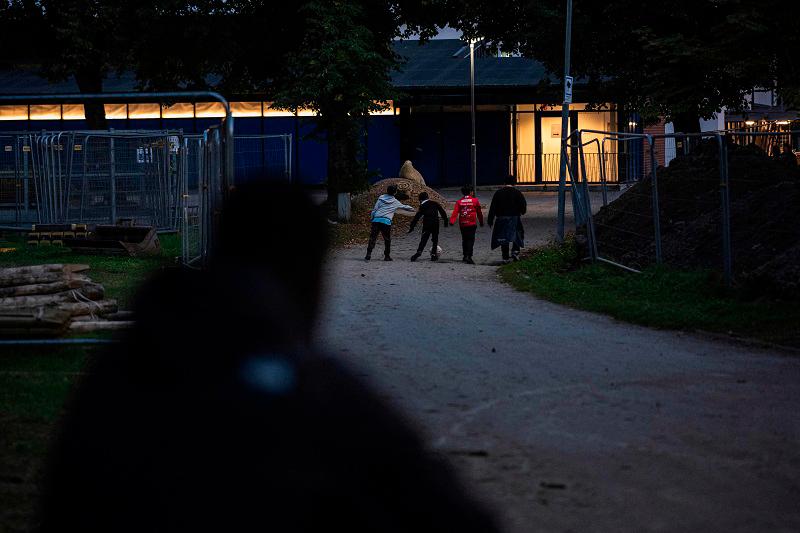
column 381, row 217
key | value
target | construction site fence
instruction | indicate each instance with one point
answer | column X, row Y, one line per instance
column 612, row 238
column 161, row 178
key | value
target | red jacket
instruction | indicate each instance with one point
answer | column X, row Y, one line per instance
column 468, row 212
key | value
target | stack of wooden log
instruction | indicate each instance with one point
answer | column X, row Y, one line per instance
column 50, row 300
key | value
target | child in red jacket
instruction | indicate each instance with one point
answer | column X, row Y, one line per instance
column 468, row 213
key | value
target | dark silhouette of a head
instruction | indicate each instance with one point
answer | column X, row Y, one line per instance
column 275, row 231
column 466, row 189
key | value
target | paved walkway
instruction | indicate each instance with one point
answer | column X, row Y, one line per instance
column 564, row 420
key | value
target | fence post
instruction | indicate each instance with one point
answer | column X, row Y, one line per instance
column 583, row 185
column 113, row 178
column 656, row 214
column 603, row 172
column 25, row 178
column 287, row 146
column 727, row 251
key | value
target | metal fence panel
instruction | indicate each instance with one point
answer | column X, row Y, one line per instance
column 260, row 157
column 700, row 212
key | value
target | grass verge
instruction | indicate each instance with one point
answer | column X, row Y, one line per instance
column 35, row 381
column 659, row 297
column 120, row 275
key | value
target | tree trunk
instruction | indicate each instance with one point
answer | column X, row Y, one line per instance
column 45, row 288
column 686, row 122
column 90, row 291
column 30, row 275
column 90, row 80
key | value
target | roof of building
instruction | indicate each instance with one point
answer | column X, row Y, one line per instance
column 30, row 82
column 440, row 63
column 445, row 63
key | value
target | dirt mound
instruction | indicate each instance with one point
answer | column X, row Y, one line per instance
column 765, row 217
column 407, row 192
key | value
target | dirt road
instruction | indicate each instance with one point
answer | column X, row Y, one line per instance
column 569, row 421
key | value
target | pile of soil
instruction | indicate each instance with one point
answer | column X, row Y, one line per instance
column 407, row 192
column 765, row 218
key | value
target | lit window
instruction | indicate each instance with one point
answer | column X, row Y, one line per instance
column 181, row 110
column 13, row 112
column 210, row 110
column 246, row 109
column 387, row 111
column 73, row 112
column 270, row 112
column 116, row 111
column 46, row 112
column 144, row 110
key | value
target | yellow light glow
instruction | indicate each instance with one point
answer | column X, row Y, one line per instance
column 783, row 122
column 73, row 112
column 246, row 109
column 13, row 112
column 388, row 111
column 306, row 113
column 750, row 122
column 144, row 110
column 269, row 111
column 116, row 111
column 179, row 110
column 46, row 112
column 209, row 110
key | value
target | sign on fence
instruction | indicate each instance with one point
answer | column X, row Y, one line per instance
column 568, row 90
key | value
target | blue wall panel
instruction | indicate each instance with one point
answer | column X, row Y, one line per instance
column 383, row 146
column 493, row 146
column 312, row 155
column 426, row 145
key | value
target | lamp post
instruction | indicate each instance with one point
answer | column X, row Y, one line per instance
column 562, row 175
column 473, row 148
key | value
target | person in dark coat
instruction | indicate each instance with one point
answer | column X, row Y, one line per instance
column 505, row 219
column 430, row 212
column 216, row 412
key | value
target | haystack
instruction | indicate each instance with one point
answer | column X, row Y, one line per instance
column 407, row 192
column 407, row 171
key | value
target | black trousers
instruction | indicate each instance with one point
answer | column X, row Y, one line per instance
column 386, row 231
column 468, row 239
column 514, row 249
column 433, row 234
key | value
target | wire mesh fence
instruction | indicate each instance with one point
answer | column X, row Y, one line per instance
column 164, row 179
column 723, row 204
column 15, row 168
column 260, row 157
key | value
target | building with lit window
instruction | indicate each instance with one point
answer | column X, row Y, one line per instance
column 518, row 120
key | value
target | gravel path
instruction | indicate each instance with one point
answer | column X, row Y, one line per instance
column 564, row 420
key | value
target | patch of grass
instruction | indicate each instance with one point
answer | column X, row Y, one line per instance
column 34, row 384
column 659, row 297
column 36, row 381
column 120, row 275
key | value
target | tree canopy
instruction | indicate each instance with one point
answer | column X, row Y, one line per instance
column 682, row 60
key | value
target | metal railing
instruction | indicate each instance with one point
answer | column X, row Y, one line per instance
column 601, row 165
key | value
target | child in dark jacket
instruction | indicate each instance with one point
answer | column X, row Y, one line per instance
column 430, row 212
